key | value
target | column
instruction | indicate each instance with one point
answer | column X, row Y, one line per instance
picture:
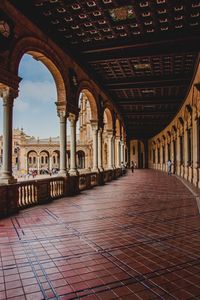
column 166, row 154
column 100, row 152
column 178, row 154
column 50, row 163
column 73, row 167
column 63, row 142
column 118, row 162
column 156, row 156
column 185, row 153
column 6, row 173
column 110, row 152
column 161, row 156
column 196, row 145
column 113, row 152
column 38, row 164
column 122, row 151
column 172, row 154
column 94, row 125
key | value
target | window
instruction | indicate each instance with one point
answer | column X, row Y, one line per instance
column 158, row 155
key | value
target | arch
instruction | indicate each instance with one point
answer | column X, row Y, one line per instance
column 80, row 159
column 108, row 119
column 30, row 151
column 117, row 127
column 42, row 52
column 88, row 91
column 44, row 151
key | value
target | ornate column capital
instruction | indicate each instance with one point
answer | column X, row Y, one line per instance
column 94, row 124
column 8, row 95
column 72, row 117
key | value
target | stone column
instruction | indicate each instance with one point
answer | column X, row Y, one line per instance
column 122, row 151
column 6, row 173
column 161, row 156
column 156, row 156
column 186, row 173
column 166, row 155
column 118, row 162
column 38, row 164
column 73, row 167
column 50, row 163
column 100, row 148
column 110, row 151
column 94, row 126
column 178, row 154
column 172, row 155
column 63, row 142
column 195, row 143
column 113, row 152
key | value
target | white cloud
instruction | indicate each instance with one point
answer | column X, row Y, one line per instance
column 21, row 106
column 37, row 91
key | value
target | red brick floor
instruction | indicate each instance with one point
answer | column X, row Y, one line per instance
column 135, row 238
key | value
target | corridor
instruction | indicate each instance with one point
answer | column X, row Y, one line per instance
column 137, row 237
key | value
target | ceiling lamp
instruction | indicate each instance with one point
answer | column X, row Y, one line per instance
column 139, row 67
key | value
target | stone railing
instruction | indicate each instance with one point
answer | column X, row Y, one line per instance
column 40, row 191
column 28, row 193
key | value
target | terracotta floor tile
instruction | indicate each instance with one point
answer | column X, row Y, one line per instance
column 134, row 238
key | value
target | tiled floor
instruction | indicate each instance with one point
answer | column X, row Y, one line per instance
column 135, row 238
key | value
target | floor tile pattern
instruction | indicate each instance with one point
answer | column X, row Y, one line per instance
column 137, row 237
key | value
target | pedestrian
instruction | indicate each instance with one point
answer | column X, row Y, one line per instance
column 122, row 168
column 132, row 166
column 169, row 167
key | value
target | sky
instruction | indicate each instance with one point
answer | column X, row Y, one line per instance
column 35, row 109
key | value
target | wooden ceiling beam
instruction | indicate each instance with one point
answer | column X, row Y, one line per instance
column 130, row 84
column 148, row 113
column 149, row 101
column 167, row 47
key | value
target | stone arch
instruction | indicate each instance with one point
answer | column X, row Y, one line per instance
column 108, row 119
column 80, row 159
column 117, row 127
column 87, row 89
column 42, row 52
column 31, row 162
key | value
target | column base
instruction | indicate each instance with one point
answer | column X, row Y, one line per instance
column 101, row 169
column 63, row 173
column 73, row 172
column 95, row 170
column 4, row 179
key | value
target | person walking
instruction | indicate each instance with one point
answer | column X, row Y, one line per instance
column 132, row 166
column 169, row 167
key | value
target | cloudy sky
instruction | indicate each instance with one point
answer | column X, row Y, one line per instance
column 35, row 108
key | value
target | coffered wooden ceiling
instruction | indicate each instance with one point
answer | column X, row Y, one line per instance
column 143, row 53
